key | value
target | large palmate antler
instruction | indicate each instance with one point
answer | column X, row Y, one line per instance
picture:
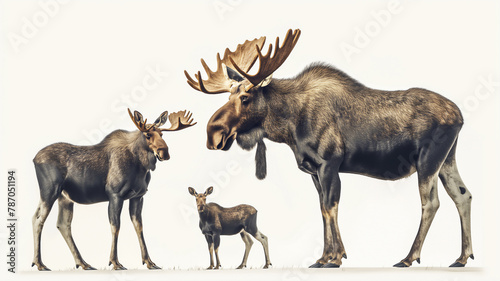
column 242, row 60
column 218, row 81
column 268, row 64
column 180, row 120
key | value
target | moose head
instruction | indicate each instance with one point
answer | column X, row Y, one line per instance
column 241, row 118
column 153, row 133
column 246, row 106
column 201, row 199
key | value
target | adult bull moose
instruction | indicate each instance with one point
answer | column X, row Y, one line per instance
column 335, row 124
column 114, row 170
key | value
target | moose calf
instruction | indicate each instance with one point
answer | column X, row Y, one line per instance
column 216, row 221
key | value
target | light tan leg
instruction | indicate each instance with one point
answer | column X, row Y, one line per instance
column 248, row 245
column 64, row 225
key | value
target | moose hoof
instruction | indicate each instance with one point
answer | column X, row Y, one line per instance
column 85, row 266
column 330, row 265
column 241, row 266
column 401, row 264
column 41, row 267
column 267, row 266
column 117, row 266
column 457, row 264
column 153, row 267
column 88, row 268
column 316, row 265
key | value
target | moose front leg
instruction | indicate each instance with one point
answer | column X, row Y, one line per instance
column 135, row 210
column 216, row 238
column 210, row 243
column 114, row 211
column 327, row 183
column 327, row 233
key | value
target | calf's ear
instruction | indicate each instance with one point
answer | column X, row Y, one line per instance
column 192, row 191
column 209, row 190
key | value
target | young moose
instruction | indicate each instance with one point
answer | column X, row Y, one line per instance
column 114, row 170
column 216, row 221
column 334, row 124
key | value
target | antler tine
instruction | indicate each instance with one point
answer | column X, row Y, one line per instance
column 245, row 56
column 216, row 82
column 180, row 120
column 267, row 63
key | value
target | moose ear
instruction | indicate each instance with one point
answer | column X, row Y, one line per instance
column 266, row 81
column 192, row 191
column 160, row 121
column 209, row 190
column 138, row 117
column 233, row 75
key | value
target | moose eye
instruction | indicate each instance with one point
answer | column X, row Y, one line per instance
column 244, row 99
column 148, row 136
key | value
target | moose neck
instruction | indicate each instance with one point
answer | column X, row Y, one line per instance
column 139, row 147
column 284, row 103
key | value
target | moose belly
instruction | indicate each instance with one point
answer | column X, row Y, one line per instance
column 87, row 191
column 382, row 162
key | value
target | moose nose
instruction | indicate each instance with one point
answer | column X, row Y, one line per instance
column 215, row 141
column 163, row 154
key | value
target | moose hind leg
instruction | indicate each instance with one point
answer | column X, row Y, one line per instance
column 38, row 221
column 456, row 189
column 64, row 225
column 430, row 205
column 263, row 240
column 248, row 245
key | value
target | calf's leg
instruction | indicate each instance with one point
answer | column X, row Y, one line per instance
column 462, row 197
column 248, row 245
column 210, row 243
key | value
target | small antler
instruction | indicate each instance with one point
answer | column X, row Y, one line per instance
column 139, row 122
column 241, row 60
column 180, row 120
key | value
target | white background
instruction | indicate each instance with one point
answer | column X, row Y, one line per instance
column 69, row 70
